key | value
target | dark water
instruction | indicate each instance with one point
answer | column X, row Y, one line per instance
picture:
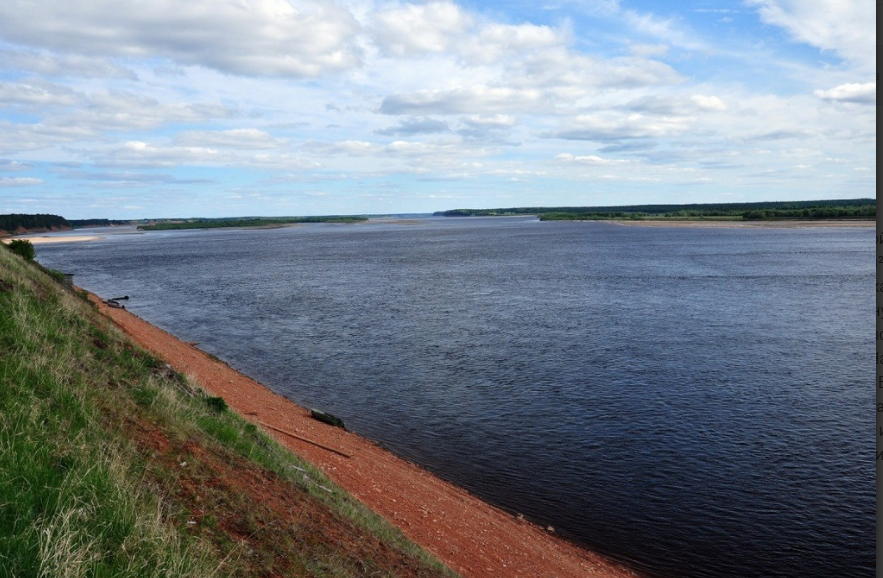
column 695, row 402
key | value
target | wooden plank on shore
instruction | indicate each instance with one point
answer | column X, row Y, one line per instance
column 307, row 440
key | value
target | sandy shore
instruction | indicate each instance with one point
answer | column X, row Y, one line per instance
column 45, row 239
column 745, row 224
column 470, row 536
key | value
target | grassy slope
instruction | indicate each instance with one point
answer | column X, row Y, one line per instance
column 111, row 464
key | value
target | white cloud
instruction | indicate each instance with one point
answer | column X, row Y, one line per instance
column 492, row 121
column 708, row 102
column 19, row 181
column 139, row 153
column 413, row 126
column 303, row 38
column 571, row 75
column 146, row 155
column 10, row 166
column 445, row 28
column 852, row 92
column 55, row 65
column 414, row 29
column 847, row 27
column 475, row 99
column 588, row 160
column 349, row 147
column 649, row 50
column 495, row 42
column 243, row 138
column 18, row 138
column 668, row 30
column 37, row 93
column 603, row 128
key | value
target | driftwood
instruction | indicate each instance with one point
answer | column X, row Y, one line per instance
column 307, row 440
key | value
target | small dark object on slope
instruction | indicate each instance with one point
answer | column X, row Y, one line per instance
column 327, row 418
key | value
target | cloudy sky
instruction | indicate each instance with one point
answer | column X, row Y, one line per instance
column 164, row 108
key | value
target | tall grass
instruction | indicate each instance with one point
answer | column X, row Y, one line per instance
column 77, row 498
column 68, row 503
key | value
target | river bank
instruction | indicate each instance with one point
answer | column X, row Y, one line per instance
column 723, row 224
column 472, row 537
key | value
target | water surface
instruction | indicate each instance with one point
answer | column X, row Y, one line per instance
column 692, row 401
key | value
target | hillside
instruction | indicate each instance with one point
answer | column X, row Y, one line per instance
column 113, row 464
column 18, row 224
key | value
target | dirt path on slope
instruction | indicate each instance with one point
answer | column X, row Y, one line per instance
column 470, row 536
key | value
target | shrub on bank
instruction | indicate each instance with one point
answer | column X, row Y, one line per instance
column 23, row 248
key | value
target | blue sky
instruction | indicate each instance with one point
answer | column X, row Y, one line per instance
column 132, row 109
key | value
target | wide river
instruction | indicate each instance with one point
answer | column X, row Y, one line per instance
column 695, row 402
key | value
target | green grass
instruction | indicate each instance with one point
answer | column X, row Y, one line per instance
column 83, row 494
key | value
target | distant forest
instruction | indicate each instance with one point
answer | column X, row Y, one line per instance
column 245, row 222
column 803, row 210
column 80, row 223
column 11, row 223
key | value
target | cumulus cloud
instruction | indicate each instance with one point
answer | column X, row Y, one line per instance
column 445, row 27
column 302, row 38
column 845, row 27
column 853, row 92
column 414, row 29
column 494, row 42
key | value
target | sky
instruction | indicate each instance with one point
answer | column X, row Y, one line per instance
column 130, row 109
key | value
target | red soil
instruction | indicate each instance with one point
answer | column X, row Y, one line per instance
column 470, row 536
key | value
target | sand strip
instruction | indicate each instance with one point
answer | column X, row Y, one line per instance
column 44, row 240
column 472, row 537
column 743, row 224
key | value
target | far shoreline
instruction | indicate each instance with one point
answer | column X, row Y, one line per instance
column 47, row 240
column 741, row 224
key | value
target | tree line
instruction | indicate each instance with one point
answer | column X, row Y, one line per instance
column 825, row 209
column 13, row 222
